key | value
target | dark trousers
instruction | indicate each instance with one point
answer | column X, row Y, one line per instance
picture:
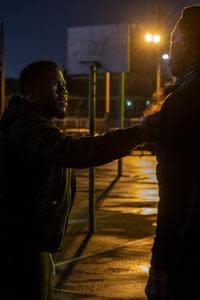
column 184, row 282
column 25, row 274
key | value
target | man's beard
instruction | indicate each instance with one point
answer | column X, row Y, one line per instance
column 177, row 65
column 60, row 113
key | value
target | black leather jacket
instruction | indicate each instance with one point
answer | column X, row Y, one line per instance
column 36, row 182
column 178, row 221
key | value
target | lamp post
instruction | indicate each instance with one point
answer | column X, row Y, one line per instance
column 155, row 40
column 2, row 80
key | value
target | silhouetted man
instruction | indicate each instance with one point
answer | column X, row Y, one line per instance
column 37, row 185
column 174, row 272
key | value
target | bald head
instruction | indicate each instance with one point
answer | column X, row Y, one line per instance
column 185, row 41
column 189, row 20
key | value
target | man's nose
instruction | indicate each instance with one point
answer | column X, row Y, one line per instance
column 62, row 89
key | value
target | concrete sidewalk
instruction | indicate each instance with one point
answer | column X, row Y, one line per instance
column 113, row 262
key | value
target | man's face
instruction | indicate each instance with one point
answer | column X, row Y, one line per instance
column 51, row 93
column 177, row 51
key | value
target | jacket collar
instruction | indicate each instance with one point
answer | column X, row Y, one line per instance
column 187, row 75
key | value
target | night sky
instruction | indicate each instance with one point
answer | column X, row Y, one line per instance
column 37, row 29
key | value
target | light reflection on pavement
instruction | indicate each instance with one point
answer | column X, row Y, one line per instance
column 119, row 252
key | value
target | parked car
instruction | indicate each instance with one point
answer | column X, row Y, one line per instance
column 77, row 131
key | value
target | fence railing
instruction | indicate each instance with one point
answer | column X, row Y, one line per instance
column 101, row 124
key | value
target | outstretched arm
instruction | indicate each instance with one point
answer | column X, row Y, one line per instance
column 47, row 143
column 41, row 140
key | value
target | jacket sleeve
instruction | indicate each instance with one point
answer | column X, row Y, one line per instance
column 45, row 142
column 176, row 216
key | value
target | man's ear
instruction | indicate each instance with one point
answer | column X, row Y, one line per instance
column 185, row 45
column 28, row 94
column 187, row 49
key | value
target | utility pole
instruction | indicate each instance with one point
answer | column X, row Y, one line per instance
column 159, row 25
column 158, row 76
column 2, row 82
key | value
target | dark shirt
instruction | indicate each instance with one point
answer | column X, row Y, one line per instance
column 178, row 220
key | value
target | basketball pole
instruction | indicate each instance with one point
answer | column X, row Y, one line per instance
column 121, row 118
column 92, row 115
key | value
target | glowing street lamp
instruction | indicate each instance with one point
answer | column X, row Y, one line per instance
column 149, row 37
column 165, row 56
column 155, row 39
column 152, row 38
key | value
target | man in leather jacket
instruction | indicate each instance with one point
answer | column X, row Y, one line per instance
column 174, row 271
column 37, row 185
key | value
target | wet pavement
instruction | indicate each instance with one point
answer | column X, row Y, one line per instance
column 113, row 262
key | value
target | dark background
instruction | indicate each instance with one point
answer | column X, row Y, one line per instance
column 37, row 29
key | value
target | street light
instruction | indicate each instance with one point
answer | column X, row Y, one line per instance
column 152, row 38
column 149, row 37
column 165, row 56
column 155, row 39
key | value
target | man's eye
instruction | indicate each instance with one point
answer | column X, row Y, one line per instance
column 59, row 85
column 54, row 83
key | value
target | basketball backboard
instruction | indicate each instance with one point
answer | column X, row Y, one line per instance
column 106, row 44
